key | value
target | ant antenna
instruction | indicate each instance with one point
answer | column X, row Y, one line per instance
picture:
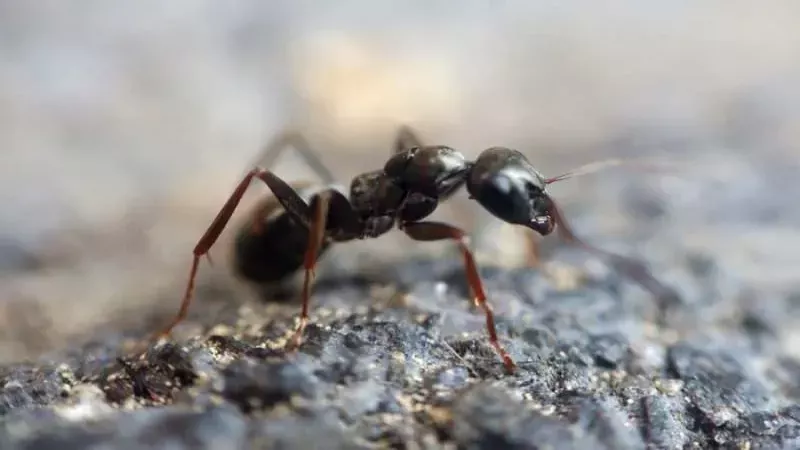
column 598, row 166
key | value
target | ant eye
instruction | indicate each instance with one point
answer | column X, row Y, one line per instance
column 502, row 185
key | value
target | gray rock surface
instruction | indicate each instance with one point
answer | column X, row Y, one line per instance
column 131, row 123
column 602, row 365
column 396, row 356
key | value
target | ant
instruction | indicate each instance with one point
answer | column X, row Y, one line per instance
column 298, row 224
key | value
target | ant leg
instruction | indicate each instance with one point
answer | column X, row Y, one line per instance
column 636, row 270
column 316, row 233
column 406, row 138
column 437, row 231
column 533, row 253
column 273, row 149
column 290, row 200
column 270, row 153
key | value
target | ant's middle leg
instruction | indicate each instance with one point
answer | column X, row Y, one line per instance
column 437, row 231
column 405, row 138
column 332, row 212
column 286, row 195
column 316, row 233
column 533, row 252
column 270, row 153
column 293, row 138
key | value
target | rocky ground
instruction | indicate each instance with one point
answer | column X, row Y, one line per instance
column 402, row 361
column 104, row 112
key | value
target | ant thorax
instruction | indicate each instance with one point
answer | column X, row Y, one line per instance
column 432, row 170
column 375, row 194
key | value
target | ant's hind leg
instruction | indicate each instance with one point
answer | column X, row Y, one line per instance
column 293, row 138
column 287, row 196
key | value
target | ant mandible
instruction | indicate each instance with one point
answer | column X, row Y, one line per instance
column 297, row 225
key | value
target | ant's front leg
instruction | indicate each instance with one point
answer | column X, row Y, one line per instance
column 635, row 270
column 437, row 231
column 533, row 252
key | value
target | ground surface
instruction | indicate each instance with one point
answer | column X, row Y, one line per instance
column 107, row 110
column 402, row 362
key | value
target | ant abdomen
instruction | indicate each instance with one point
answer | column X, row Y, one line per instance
column 272, row 250
column 271, row 255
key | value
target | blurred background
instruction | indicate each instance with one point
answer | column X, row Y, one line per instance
column 123, row 129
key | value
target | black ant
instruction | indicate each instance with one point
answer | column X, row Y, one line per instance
column 293, row 228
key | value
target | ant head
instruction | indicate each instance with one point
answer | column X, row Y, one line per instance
column 511, row 189
column 507, row 185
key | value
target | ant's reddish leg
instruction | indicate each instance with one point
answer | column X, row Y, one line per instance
column 436, row 231
column 204, row 244
column 291, row 201
column 533, row 254
column 293, row 138
column 273, row 149
column 316, row 234
column 635, row 270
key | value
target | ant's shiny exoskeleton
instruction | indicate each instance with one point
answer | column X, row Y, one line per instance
column 293, row 228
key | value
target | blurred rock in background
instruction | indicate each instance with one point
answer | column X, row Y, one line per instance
column 124, row 127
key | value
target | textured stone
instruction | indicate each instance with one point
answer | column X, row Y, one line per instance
column 176, row 428
column 597, row 370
